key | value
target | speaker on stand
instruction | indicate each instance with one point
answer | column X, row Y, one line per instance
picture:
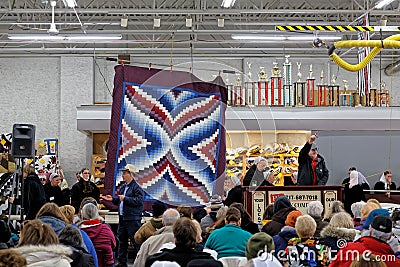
column 22, row 146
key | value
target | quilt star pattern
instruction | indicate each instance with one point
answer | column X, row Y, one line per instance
column 174, row 135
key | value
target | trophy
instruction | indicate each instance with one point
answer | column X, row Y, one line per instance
column 262, row 75
column 333, row 80
column 345, row 86
column 310, row 87
column 288, row 93
column 276, row 86
column 345, row 99
column 322, row 94
column 249, row 72
column 298, row 71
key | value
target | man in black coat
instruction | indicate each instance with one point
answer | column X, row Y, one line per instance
column 34, row 195
column 312, row 168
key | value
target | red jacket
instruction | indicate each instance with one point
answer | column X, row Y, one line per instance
column 103, row 240
column 367, row 245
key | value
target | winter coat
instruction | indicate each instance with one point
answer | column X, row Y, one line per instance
column 296, row 249
column 34, row 196
column 353, row 195
column 332, row 235
column 103, row 240
column 234, row 195
column 277, row 222
column 79, row 256
column 183, row 256
column 153, row 245
column 347, row 254
column 381, row 186
column 83, row 189
column 133, row 201
column 56, row 224
column 282, row 238
column 147, row 230
column 54, row 194
column 46, row 256
column 305, row 174
column 249, row 226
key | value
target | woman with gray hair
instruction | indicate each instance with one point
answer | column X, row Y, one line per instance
column 101, row 235
column 315, row 209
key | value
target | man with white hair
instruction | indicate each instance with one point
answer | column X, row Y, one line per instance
column 161, row 237
column 258, row 175
column 380, row 232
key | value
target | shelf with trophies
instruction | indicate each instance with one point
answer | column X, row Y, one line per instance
column 280, row 90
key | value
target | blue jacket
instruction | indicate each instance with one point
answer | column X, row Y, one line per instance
column 133, row 202
column 282, row 238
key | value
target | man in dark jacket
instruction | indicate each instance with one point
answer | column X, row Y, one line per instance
column 130, row 202
column 34, row 195
column 312, row 168
column 53, row 190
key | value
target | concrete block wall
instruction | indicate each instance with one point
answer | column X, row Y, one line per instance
column 45, row 91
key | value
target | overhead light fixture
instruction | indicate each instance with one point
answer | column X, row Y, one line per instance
column 71, row 37
column 70, row 3
column 157, row 23
column 189, row 22
column 124, row 21
column 383, row 3
column 221, row 22
column 228, row 3
column 260, row 37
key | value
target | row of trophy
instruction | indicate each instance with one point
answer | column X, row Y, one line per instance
column 279, row 90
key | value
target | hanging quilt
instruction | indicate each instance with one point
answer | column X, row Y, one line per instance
column 170, row 126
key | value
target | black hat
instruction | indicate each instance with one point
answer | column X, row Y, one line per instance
column 314, row 146
column 158, row 208
column 382, row 223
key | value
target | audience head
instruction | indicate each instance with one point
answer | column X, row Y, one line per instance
column 243, row 212
column 87, row 200
column 381, row 228
column 259, row 243
column 373, row 200
column 367, row 208
column 371, row 261
column 185, row 211
column 373, row 214
column 35, row 232
column 69, row 212
column 292, row 218
column 305, row 226
column 356, row 209
column 170, row 216
column 342, row 220
column 185, row 233
column 215, row 203
column 315, row 209
column 5, row 232
column 89, row 212
column 281, row 202
column 396, row 216
column 158, row 208
column 12, row 258
column 51, row 209
column 222, row 213
column 233, row 216
column 337, row 206
column 71, row 235
column 269, row 212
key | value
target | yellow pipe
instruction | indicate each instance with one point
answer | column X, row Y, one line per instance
column 392, row 41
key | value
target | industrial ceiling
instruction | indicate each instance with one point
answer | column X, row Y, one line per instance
column 175, row 34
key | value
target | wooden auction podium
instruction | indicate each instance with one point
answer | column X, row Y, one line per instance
column 256, row 199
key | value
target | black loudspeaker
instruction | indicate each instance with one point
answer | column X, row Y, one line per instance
column 23, row 141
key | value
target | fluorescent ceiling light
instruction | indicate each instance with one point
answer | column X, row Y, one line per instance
column 228, row 3
column 260, row 37
column 383, row 3
column 70, row 3
column 65, row 37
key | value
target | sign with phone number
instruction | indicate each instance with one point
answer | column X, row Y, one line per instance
column 299, row 199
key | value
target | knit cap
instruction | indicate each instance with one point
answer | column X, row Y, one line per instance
column 292, row 217
column 52, row 176
column 259, row 242
column 215, row 203
column 382, row 223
